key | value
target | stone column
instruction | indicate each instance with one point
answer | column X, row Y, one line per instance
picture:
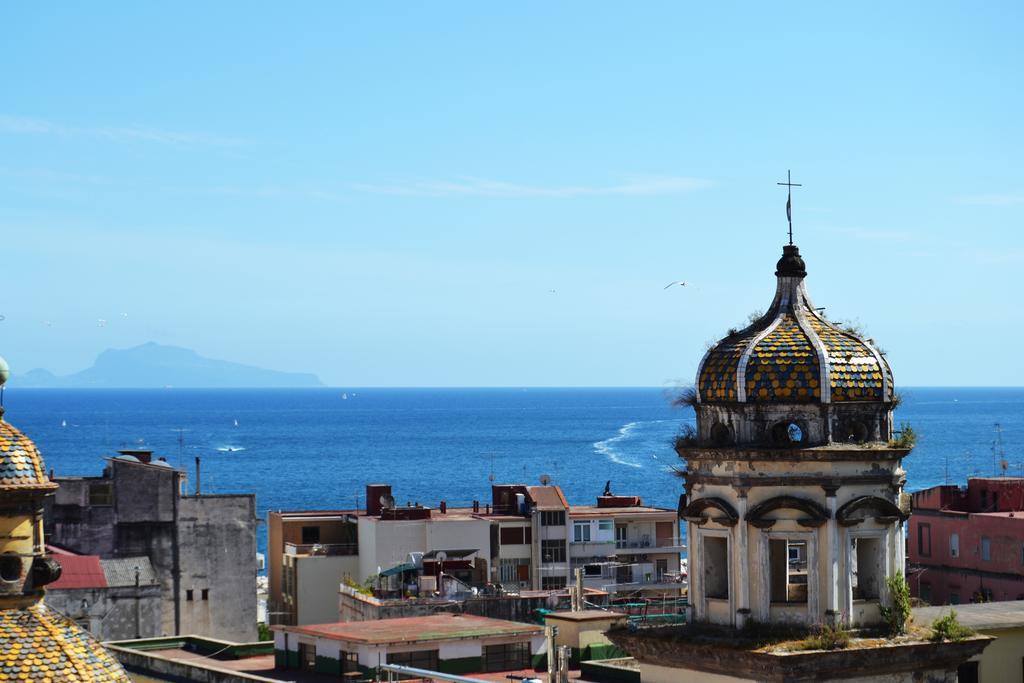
column 695, row 592
column 741, row 560
column 832, row 612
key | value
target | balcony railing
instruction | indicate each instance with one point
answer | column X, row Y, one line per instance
column 668, row 580
column 646, row 544
column 321, row 549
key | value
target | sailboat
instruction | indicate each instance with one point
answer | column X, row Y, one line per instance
column 63, row 423
column 236, row 423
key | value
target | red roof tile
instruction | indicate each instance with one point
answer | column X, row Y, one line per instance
column 79, row 571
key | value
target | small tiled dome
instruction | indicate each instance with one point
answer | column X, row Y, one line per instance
column 38, row 644
column 21, row 465
column 792, row 354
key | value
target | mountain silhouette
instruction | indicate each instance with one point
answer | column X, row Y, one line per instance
column 154, row 365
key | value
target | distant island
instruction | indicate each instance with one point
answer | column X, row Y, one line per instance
column 154, row 365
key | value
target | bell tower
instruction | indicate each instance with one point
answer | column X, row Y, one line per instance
column 794, row 485
column 40, row 643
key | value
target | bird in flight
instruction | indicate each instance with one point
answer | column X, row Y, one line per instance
column 681, row 283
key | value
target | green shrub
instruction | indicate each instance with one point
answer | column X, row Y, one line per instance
column 907, row 437
column 687, row 397
column 360, row 588
column 264, row 632
column 686, row 438
column 950, row 628
column 897, row 615
column 828, row 638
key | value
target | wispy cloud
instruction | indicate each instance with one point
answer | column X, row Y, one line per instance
column 19, row 125
column 482, row 187
column 994, row 199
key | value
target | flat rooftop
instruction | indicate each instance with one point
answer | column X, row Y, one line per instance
column 414, row 629
column 595, row 511
column 587, row 615
column 985, row 616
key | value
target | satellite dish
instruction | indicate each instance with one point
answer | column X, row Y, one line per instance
column 387, row 501
column 545, row 480
column 441, row 556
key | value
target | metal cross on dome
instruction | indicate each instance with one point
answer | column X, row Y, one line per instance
column 789, row 201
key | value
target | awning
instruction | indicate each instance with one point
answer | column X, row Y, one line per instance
column 398, row 569
column 449, row 554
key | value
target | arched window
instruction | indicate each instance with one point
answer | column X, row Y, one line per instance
column 721, row 435
column 787, row 434
column 854, row 431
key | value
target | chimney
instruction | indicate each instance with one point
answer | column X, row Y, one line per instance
column 476, row 506
column 374, row 492
column 197, row 475
column 444, row 508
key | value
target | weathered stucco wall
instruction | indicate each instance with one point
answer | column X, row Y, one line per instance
column 217, row 543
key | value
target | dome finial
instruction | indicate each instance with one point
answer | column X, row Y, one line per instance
column 791, row 264
column 789, row 201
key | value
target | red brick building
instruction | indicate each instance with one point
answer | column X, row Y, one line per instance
column 967, row 544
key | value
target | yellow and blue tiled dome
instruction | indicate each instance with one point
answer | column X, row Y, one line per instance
column 21, row 465
column 38, row 644
column 792, row 354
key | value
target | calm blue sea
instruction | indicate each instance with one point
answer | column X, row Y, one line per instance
column 315, row 448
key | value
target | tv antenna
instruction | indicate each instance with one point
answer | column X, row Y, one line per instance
column 490, row 477
column 181, row 445
column 998, row 452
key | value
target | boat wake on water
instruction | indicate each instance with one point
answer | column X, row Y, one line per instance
column 635, row 443
column 230, row 449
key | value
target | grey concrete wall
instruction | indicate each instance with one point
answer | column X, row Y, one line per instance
column 144, row 494
column 111, row 613
column 217, row 540
column 72, row 523
column 193, row 543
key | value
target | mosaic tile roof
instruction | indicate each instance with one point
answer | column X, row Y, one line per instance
column 783, row 365
column 38, row 644
column 717, row 380
column 854, row 371
column 793, row 355
column 21, row 465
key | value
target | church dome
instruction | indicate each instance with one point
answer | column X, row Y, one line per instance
column 21, row 465
column 792, row 354
column 38, row 644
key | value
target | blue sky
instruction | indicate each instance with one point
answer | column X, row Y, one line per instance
column 387, row 193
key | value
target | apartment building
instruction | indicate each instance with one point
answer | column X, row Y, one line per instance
column 310, row 552
column 202, row 548
column 525, row 538
column 967, row 544
column 626, row 547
